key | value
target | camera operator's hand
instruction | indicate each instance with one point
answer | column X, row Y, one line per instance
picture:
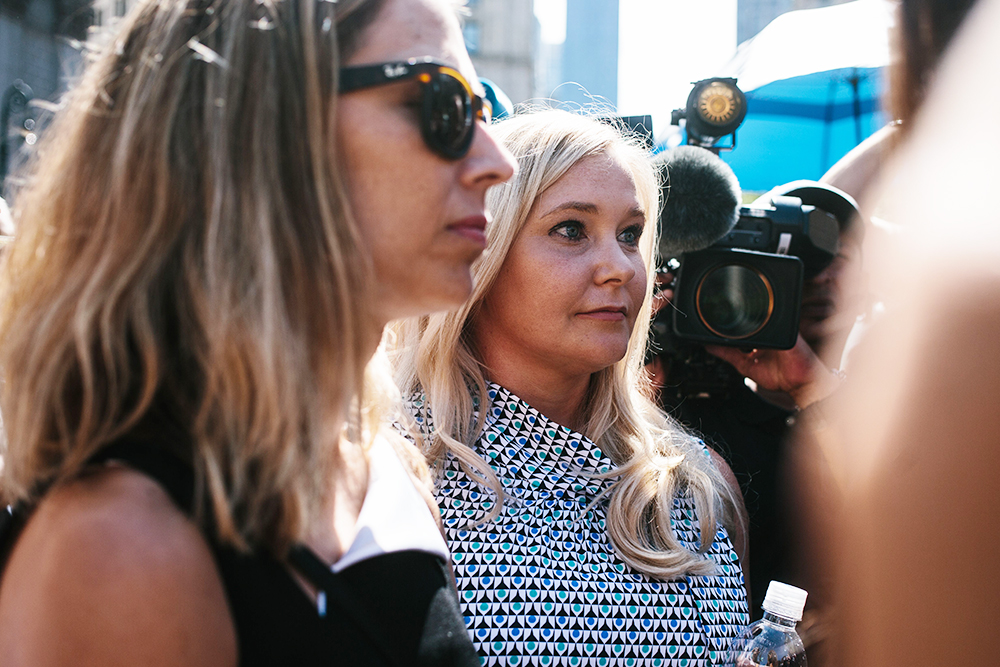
column 797, row 372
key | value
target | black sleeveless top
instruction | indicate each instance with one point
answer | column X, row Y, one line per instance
column 394, row 609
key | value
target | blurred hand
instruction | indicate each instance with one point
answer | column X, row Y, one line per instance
column 662, row 293
column 657, row 372
column 798, row 372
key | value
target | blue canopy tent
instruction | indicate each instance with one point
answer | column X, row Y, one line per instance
column 798, row 128
column 814, row 80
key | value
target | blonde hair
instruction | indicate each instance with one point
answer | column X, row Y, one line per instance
column 185, row 245
column 655, row 458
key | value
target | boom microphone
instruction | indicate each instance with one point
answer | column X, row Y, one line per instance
column 702, row 200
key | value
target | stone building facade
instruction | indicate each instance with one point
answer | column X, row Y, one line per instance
column 503, row 39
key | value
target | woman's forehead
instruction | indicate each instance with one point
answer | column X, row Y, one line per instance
column 591, row 177
column 413, row 29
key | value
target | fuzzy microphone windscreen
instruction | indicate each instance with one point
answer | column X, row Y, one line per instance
column 702, row 200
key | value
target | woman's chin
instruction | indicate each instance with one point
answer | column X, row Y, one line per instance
column 597, row 360
column 428, row 307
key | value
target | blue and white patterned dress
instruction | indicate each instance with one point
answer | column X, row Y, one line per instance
column 541, row 584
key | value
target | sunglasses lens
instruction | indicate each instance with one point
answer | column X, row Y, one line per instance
column 449, row 120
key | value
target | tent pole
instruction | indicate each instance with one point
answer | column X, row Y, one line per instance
column 855, row 80
column 824, row 155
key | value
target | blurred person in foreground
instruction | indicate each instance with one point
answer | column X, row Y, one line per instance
column 234, row 201
column 585, row 525
column 910, row 446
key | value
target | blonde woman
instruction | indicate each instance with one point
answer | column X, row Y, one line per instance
column 585, row 526
column 233, row 203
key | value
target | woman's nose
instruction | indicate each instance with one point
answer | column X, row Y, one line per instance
column 488, row 162
column 614, row 264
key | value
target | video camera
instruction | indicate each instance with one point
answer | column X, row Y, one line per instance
column 746, row 289
column 738, row 270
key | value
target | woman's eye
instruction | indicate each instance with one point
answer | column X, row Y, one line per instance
column 413, row 100
column 630, row 236
column 570, row 229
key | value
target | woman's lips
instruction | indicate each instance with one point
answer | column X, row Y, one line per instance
column 472, row 228
column 605, row 315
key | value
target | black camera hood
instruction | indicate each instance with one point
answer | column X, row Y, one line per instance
column 824, row 197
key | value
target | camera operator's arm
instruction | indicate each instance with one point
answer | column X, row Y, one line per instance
column 797, row 372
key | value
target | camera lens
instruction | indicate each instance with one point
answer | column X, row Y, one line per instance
column 734, row 301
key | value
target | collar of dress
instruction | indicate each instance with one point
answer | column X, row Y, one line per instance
column 526, row 442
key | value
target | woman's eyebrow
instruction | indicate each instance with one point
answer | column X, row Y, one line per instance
column 637, row 212
column 581, row 206
column 587, row 207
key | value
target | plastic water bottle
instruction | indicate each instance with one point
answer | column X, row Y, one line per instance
column 773, row 641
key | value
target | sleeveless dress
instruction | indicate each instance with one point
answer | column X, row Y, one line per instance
column 541, row 583
column 388, row 601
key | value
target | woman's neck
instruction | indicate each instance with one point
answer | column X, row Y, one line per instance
column 334, row 529
column 557, row 390
column 559, row 398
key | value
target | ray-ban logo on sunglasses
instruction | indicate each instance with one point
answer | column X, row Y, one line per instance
column 395, row 71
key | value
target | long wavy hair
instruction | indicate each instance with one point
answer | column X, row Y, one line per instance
column 655, row 458
column 185, row 247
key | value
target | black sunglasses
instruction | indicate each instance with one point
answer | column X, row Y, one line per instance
column 449, row 107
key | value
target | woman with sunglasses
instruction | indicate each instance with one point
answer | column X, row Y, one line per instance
column 234, row 201
column 586, row 527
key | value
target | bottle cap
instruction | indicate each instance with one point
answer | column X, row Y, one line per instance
column 784, row 600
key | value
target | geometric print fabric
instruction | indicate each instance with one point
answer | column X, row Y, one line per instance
column 541, row 584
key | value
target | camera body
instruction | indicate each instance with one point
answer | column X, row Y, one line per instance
column 746, row 289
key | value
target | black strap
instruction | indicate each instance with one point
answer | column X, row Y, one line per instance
column 157, row 462
column 175, row 476
column 12, row 520
column 329, row 584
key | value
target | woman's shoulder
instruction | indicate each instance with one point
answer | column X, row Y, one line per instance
column 109, row 571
